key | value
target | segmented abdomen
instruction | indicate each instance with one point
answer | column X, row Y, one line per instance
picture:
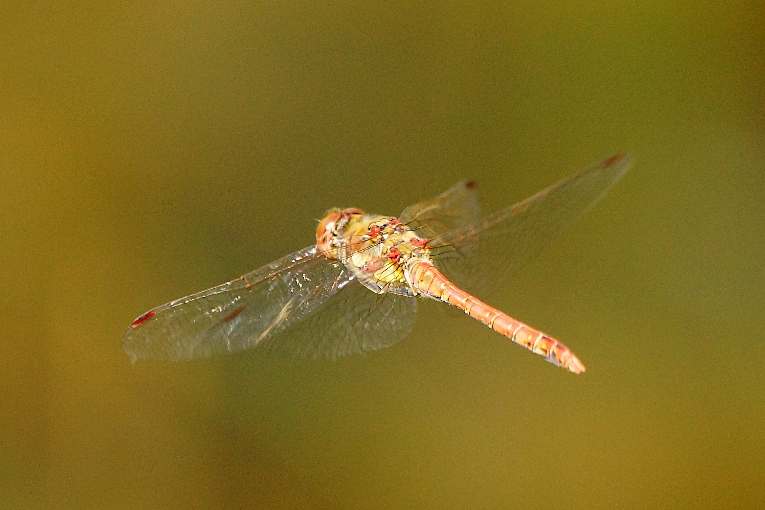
column 430, row 281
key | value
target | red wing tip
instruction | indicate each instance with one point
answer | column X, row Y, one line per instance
column 613, row 160
column 143, row 318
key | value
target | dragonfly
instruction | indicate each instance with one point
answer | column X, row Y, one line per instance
column 356, row 289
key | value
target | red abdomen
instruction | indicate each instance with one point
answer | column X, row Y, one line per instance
column 429, row 280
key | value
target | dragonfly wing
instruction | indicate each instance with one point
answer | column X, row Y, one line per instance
column 240, row 313
column 355, row 320
column 303, row 304
column 497, row 245
column 455, row 208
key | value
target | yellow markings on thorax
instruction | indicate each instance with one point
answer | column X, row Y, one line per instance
column 358, row 259
column 389, row 273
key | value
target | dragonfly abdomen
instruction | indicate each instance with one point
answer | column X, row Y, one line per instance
column 431, row 282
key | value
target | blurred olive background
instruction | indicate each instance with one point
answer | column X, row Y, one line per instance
column 149, row 150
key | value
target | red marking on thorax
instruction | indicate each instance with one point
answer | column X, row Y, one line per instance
column 143, row 318
column 420, row 243
column 394, row 254
column 374, row 230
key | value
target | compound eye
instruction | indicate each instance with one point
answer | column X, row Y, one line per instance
column 351, row 211
column 326, row 230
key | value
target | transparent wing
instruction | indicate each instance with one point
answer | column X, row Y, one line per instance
column 496, row 246
column 455, row 208
column 269, row 306
column 237, row 314
column 353, row 321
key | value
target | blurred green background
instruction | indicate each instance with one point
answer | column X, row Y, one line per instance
column 152, row 149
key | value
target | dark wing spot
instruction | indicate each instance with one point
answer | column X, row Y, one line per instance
column 612, row 160
column 233, row 315
column 143, row 318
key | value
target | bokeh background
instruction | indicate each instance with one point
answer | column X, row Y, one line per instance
column 152, row 149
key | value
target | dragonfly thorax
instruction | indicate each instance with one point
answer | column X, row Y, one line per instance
column 376, row 249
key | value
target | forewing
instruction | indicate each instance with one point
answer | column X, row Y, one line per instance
column 455, row 208
column 496, row 246
column 303, row 304
column 240, row 313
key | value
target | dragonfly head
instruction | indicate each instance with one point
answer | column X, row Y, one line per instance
column 332, row 225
